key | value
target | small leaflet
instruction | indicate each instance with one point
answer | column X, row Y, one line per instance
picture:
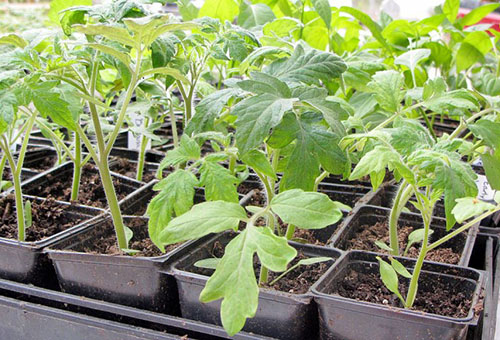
column 485, row 191
column 134, row 141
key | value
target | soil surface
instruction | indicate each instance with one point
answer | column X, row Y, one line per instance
column 434, row 295
column 105, row 242
column 366, row 236
column 43, row 164
column 49, row 218
column 298, row 281
column 127, row 168
column 91, row 189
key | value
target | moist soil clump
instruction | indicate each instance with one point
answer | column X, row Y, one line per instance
column 91, row 188
column 105, row 243
column 435, row 296
column 366, row 236
column 48, row 219
column 298, row 281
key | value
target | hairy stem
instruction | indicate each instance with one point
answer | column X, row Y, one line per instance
column 142, row 153
column 403, row 195
column 77, row 168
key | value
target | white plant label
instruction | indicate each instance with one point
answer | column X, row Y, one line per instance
column 478, row 162
column 485, row 191
column 134, row 141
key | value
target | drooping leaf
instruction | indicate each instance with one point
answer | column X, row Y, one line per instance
column 389, row 277
column 469, row 207
column 306, row 210
column 203, row 219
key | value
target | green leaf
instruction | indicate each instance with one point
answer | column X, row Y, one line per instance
column 234, row 279
column 56, row 6
column 219, row 9
column 450, row 9
column 175, row 198
column 203, row 219
column 263, row 83
column 324, row 10
column 218, row 181
column 252, row 15
column 383, row 246
column 457, row 99
column 307, row 210
column 375, row 162
column 187, row 10
column 50, row 104
column 13, row 39
column 281, row 27
column 400, row 269
column 188, row 150
column 28, row 219
column 469, row 207
column 488, row 131
column 259, row 162
column 307, row 66
column 497, row 197
column 389, row 277
column 8, row 107
column 210, row 263
column 491, row 164
column 369, row 23
column 257, row 115
column 167, row 71
column 113, row 33
column 416, row 236
column 411, row 58
column 128, row 234
column 123, row 57
column 477, row 14
column 388, row 89
column 162, row 51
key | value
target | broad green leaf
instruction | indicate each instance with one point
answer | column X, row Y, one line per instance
column 252, row 15
column 187, row 10
column 203, row 219
column 374, row 163
column 488, row 131
column 307, row 66
column 258, row 54
column 322, row 7
column 219, row 9
column 13, row 39
column 281, row 27
column 388, row 89
column 8, row 107
column 234, row 279
column 167, row 71
column 416, row 236
column 123, row 57
column 316, row 36
column 450, row 9
column 389, row 277
column 50, row 104
column 210, row 263
column 307, row 210
column 162, row 51
column 174, row 199
column 369, row 23
column 469, row 207
column 477, row 14
column 262, row 83
column 491, row 164
column 411, row 58
column 56, row 6
column 313, row 260
column 457, row 99
column 218, row 182
column 259, row 162
column 188, row 150
column 473, row 49
column 113, row 33
column 400, row 269
column 128, row 234
column 257, row 115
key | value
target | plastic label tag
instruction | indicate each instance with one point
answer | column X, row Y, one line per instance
column 485, row 191
column 134, row 141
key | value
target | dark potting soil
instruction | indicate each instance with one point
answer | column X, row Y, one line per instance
column 43, row 164
column 298, row 281
column 106, row 244
column 91, row 189
column 7, row 176
column 434, row 295
column 365, row 238
column 127, row 168
column 48, row 219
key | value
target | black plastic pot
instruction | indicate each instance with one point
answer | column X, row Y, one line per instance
column 128, row 280
column 30, row 312
column 34, row 185
column 349, row 319
column 279, row 315
column 369, row 215
column 25, row 261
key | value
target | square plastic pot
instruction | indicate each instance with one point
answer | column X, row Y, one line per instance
column 25, row 261
column 279, row 315
column 369, row 215
column 128, row 280
column 350, row 319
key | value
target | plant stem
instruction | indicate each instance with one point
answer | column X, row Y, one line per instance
column 428, row 123
column 264, row 274
column 232, row 164
column 319, row 179
column 142, row 153
column 173, row 125
column 77, row 168
column 402, row 197
column 290, row 231
column 17, row 190
column 462, row 126
column 2, row 168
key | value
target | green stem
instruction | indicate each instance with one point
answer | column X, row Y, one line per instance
column 319, row 179
column 264, row 274
column 142, row 154
column 77, row 168
column 232, row 163
column 173, row 125
column 290, row 231
column 462, row 126
column 403, row 195
column 428, row 123
column 2, row 168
